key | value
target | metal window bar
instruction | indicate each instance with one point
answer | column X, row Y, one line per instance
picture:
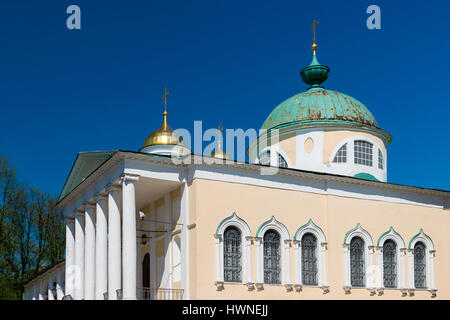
column 380, row 160
column 309, row 260
column 390, row 264
column 420, row 267
column 232, row 255
column 341, row 155
column 357, row 264
column 272, row 257
column 363, row 152
column 265, row 159
column 159, row 294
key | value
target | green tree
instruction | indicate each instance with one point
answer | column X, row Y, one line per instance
column 31, row 232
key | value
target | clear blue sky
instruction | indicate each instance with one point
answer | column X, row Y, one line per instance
column 99, row 88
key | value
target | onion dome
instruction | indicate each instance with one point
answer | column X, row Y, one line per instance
column 218, row 153
column 318, row 106
column 163, row 136
column 165, row 141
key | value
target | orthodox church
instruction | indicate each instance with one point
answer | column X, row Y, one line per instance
column 325, row 224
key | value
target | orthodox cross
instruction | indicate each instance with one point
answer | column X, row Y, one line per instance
column 313, row 28
column 164, row 98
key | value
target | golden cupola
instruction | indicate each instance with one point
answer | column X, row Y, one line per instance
column 165, row 141
column 218, row 153
column 164, row 135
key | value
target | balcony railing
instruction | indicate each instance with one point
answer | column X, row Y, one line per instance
column 159, row 294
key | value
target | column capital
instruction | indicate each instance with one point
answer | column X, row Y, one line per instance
column 88, row 205
column 126, row 177
column 100, row 196
column 69, row 219
column 79, row 212
column 112, row 187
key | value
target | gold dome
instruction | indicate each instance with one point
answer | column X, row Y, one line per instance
column 218, row 153
column 163, row 136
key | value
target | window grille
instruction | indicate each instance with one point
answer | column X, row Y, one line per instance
column 357, row 264
column 420, row 277
column 309, row 259
column 390, row 264
column 232, row 254
column 363, row 153
column 341, row 155
column 272, row 257
column 380, row 160
column 265, row 159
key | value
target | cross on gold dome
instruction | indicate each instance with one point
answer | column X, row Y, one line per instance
column 313, row 28
column 164, row 98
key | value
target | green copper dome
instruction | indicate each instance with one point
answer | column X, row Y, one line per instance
column 319, row 105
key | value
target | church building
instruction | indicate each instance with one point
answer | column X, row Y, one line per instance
column 325, row 224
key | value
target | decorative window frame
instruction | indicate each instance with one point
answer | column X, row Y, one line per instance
column 430, row 255
column 391, row 234
column 278, row 151
column 321, row 254
column 274, row 224
column 246, row 276
column 359, row 231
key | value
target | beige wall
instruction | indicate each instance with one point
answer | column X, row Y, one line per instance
column 212, row 201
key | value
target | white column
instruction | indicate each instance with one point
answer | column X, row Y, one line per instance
column 79, row 255
column 70, row 257
column 432, row 285
column 89, row 252
column 259, row 278
column 380, row 261
column 129, row 237
column 402, row 271
column 153, row 275
column 287, row 277
column 323, row 262
column 59, row 284
column 411, row 268
column 298, row 263
column 219, row 272
column 36, row 291
column 101, row 247
column 50, row 281
column 184, row 214
column 249, row 259
column 114, row 243
column 41, row 289
column 347, row 281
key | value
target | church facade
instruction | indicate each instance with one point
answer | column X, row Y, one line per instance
column 310, row 216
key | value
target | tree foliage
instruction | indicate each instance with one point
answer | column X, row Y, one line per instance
column 31, row 232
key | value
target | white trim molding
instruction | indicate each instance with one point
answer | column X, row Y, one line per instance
column 392, row 235
column 429, row 260
column 246, row 240
column 358, row 231
column 274, row 224
column 321, row 254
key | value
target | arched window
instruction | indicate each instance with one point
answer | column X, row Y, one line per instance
column 389, row 264
column 420, row 266
column 264, row 159
column 233, row 252
column 232, row 255
column 272, row 257
column 380, row 160
column 309, row 260
column 363, row 152
column 357, row 264
column 341, row 155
